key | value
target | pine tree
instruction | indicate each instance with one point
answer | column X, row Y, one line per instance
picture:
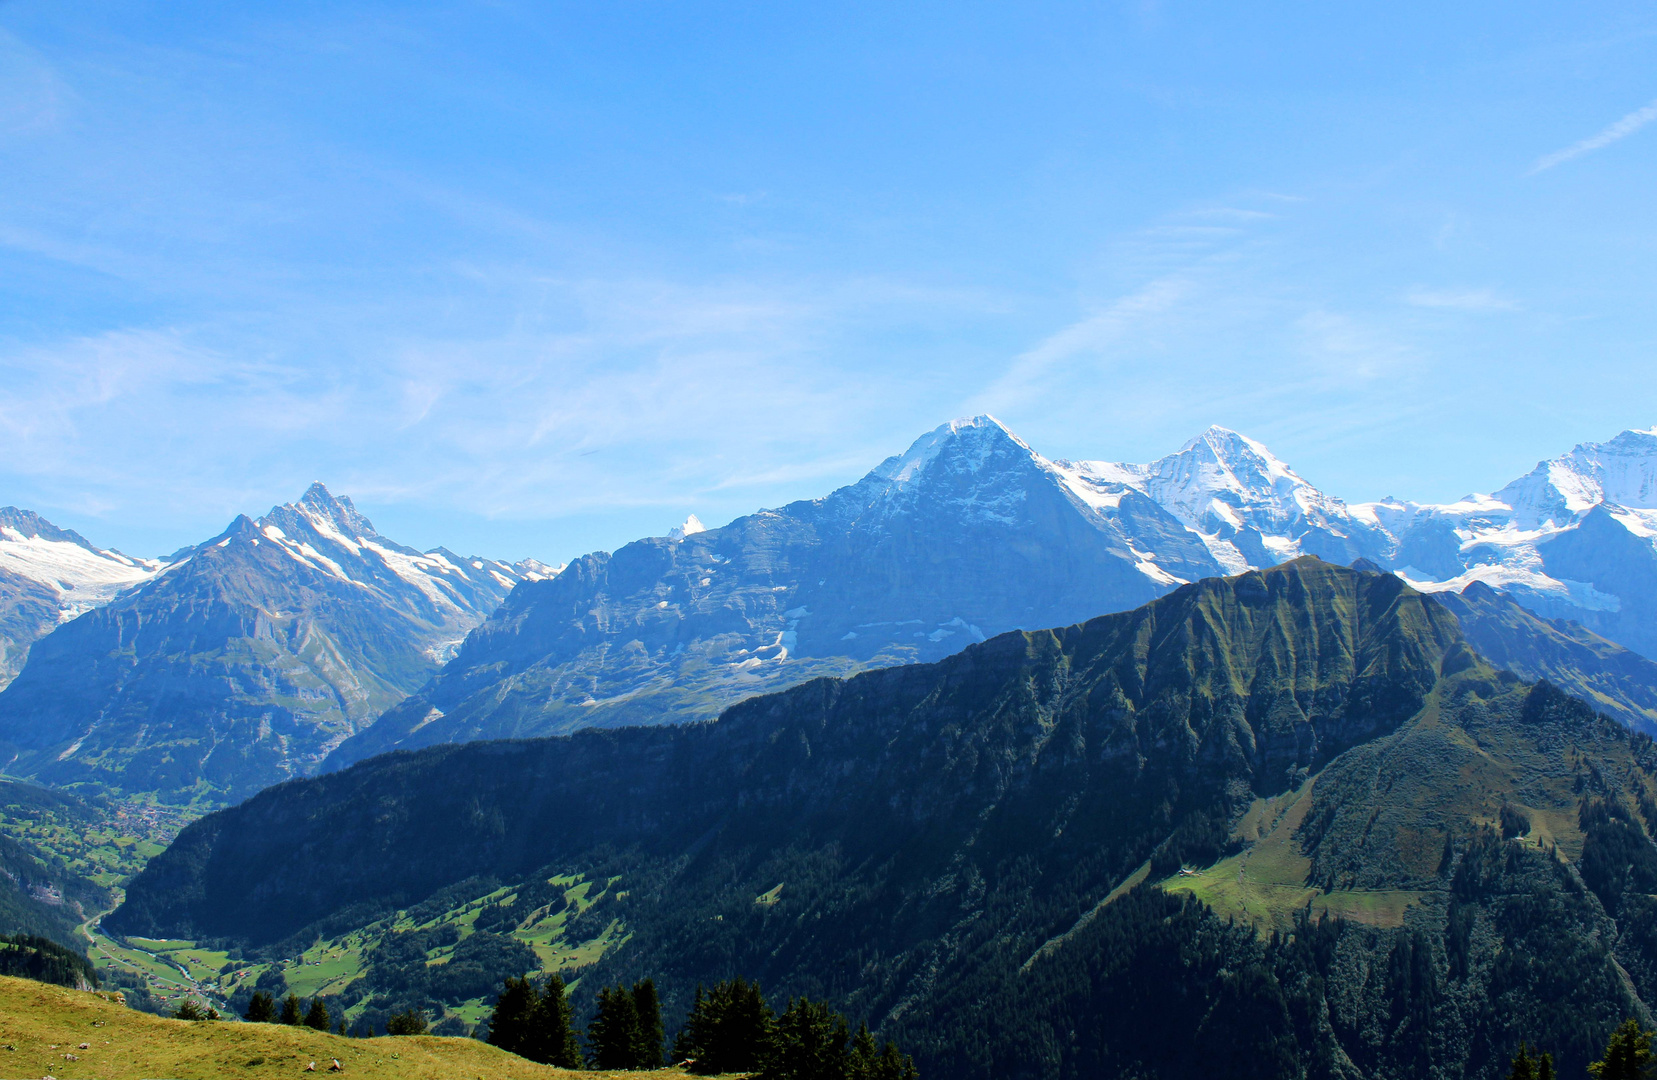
column 317, row 1017
column 647, row 1047
column 894, row 1065
column 728, row 1030
column 261, row 1010
column 550, row 1029
column 809, row 1043
column 1522, row 1067
column 1544, row 1067
column 509, row 1024
column 1626, row 1055
column 864, row 1054
column 412, row 1022
column 290, row 1010
column 613, row 1035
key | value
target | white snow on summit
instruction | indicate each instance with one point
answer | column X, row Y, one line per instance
column 691, row 527
column 1622, row 472
column 83, row 576
column 1221, row 484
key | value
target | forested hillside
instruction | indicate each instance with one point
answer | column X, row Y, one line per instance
column 1380, row 823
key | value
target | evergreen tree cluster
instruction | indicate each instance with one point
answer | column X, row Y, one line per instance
column 1525, row 1067
column 1627, row 1055
column 536, row 1023
column 263, row 1009
column 626, row 1031
column 730, row 1029
column 28, row 956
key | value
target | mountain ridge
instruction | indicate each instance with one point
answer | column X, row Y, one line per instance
column 670, row 645
column 1310, row 734
column 245, row 658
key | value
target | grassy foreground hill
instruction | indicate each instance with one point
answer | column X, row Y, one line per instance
column 42, row 1027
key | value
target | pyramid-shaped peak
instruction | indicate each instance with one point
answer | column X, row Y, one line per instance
column 970, row 441
column 1228, row 446
column 324, row 507
column 691, row 527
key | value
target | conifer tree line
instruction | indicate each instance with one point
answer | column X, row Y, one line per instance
column 730, row 1029
column 263, row 1009
column 1628, row 1056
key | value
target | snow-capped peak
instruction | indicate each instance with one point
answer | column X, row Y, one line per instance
column 82, row 575
column 1220, row 482
column 324, row 508
column 691, row 527
column 1622, row 471
column 971, row 441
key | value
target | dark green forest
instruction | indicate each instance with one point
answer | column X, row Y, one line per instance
column 1453, row 862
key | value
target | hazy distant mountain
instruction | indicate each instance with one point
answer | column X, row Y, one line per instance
column 50, row 575
column 247, row 658
column 967, row 534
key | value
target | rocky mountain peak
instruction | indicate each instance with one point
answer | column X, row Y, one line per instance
column 1621, row 471
column 967, row 444
column 323, row 508
column 29, row 525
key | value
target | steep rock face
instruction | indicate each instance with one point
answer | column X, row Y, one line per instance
column 947, row 849
column 247, row 660
column 50, row 575
column 970, row 533
column 967, row 534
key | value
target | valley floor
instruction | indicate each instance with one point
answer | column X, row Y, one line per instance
column 43, row 1026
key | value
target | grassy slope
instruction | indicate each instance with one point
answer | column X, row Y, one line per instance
column 1388, row 806
column 329, row 967
column 45, row 1023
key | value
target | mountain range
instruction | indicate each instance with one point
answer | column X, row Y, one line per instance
column 242, row 661
column 1104, row 849
column 971, row 533
column 257, row 655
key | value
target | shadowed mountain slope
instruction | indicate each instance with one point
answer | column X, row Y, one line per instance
column 1117, row 730
column 951, row 849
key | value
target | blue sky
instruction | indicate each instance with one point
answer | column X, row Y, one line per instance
column 535, row 279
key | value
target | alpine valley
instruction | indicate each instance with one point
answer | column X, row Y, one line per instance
column 1282, row 824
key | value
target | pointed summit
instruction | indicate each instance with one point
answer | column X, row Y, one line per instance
column 321, row 505
column 969, row 442
column 691, row 527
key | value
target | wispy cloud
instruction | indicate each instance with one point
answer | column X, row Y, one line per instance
column 1479, row 300
column 1623, row 128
